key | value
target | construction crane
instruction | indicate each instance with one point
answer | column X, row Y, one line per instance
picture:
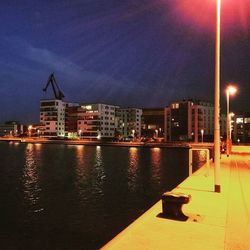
column 57, row 92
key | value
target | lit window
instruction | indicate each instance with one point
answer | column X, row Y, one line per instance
column 247, row 120
column 239, row 120
column 175, row 105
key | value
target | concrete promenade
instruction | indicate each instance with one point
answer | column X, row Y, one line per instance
column 216, row 220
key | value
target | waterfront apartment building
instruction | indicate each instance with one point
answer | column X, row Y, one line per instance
column 190, row 120
column 71, row 116
column 241, row 128
column 152, row 122
column 11, row 128
column 128, row 122
column 52, row 117
column 96, row 121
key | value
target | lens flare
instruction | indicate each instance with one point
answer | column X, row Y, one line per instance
column 201, row 14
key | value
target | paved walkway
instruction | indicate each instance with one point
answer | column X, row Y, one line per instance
column 216, row 220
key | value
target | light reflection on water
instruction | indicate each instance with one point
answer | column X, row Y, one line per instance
column 156, row 165
column 80, row 159
column 81, row 196
column 99, row 173
column 132, row 168
column 31, row 187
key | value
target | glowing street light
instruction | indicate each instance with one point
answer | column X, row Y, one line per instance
column 29, row 129
column 231, row 90
column 80, row 132
column 156, row 133
column 217, row 102
column 202, row 133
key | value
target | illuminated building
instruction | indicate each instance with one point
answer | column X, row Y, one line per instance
column 152, row 122
column 241, row 128
column 11, row 128
column 96, row 121
column 71, row 116
column 128, row 122
column 189, row 120
column 52, row 116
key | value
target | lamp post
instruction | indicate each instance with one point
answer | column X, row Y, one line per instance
column 229, row 91
column 217, row 102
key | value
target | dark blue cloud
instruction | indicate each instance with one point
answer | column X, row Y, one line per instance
column 131, row 53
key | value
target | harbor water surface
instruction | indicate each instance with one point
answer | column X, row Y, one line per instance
column 79, row 197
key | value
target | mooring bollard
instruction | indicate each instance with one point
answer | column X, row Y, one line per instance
column 172, row 205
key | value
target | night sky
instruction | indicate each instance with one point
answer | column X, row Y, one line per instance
column 141, row 53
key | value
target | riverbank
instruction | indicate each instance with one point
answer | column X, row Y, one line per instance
column 95, row 143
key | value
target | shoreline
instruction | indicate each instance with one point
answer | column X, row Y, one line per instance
column 98, row 143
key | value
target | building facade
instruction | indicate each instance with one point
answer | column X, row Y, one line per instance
column 128, row 122
column 52, row 117
column 96, row 121
column 241, row 128
column 190, row 120
column 11, row 128
column 71, row 116
column 152, row 122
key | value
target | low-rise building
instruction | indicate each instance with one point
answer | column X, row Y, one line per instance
column 152, row 122
column 11, row 128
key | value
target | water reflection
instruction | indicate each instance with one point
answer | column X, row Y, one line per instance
column 81, row 171
column 133, row 168
column 80, row 158
column 99, row 172
column 88, row 193
column 155, row 157
column 31, row 186
column 156, row 165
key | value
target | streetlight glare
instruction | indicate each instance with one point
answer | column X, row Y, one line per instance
column 231, row 90
column 199, row 13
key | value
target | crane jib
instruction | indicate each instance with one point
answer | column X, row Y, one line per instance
column 56, row 90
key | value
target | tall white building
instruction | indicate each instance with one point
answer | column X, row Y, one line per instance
column 96, row 120
column 52, row 117
column 129, row 122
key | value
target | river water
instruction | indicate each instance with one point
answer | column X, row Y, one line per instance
column 79, row 197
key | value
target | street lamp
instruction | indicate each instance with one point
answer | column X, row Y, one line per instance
column 30, row 130
column 217, row 102
column 80, row 133
column 156, row 133
column 231, row 90
column 202, row 133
